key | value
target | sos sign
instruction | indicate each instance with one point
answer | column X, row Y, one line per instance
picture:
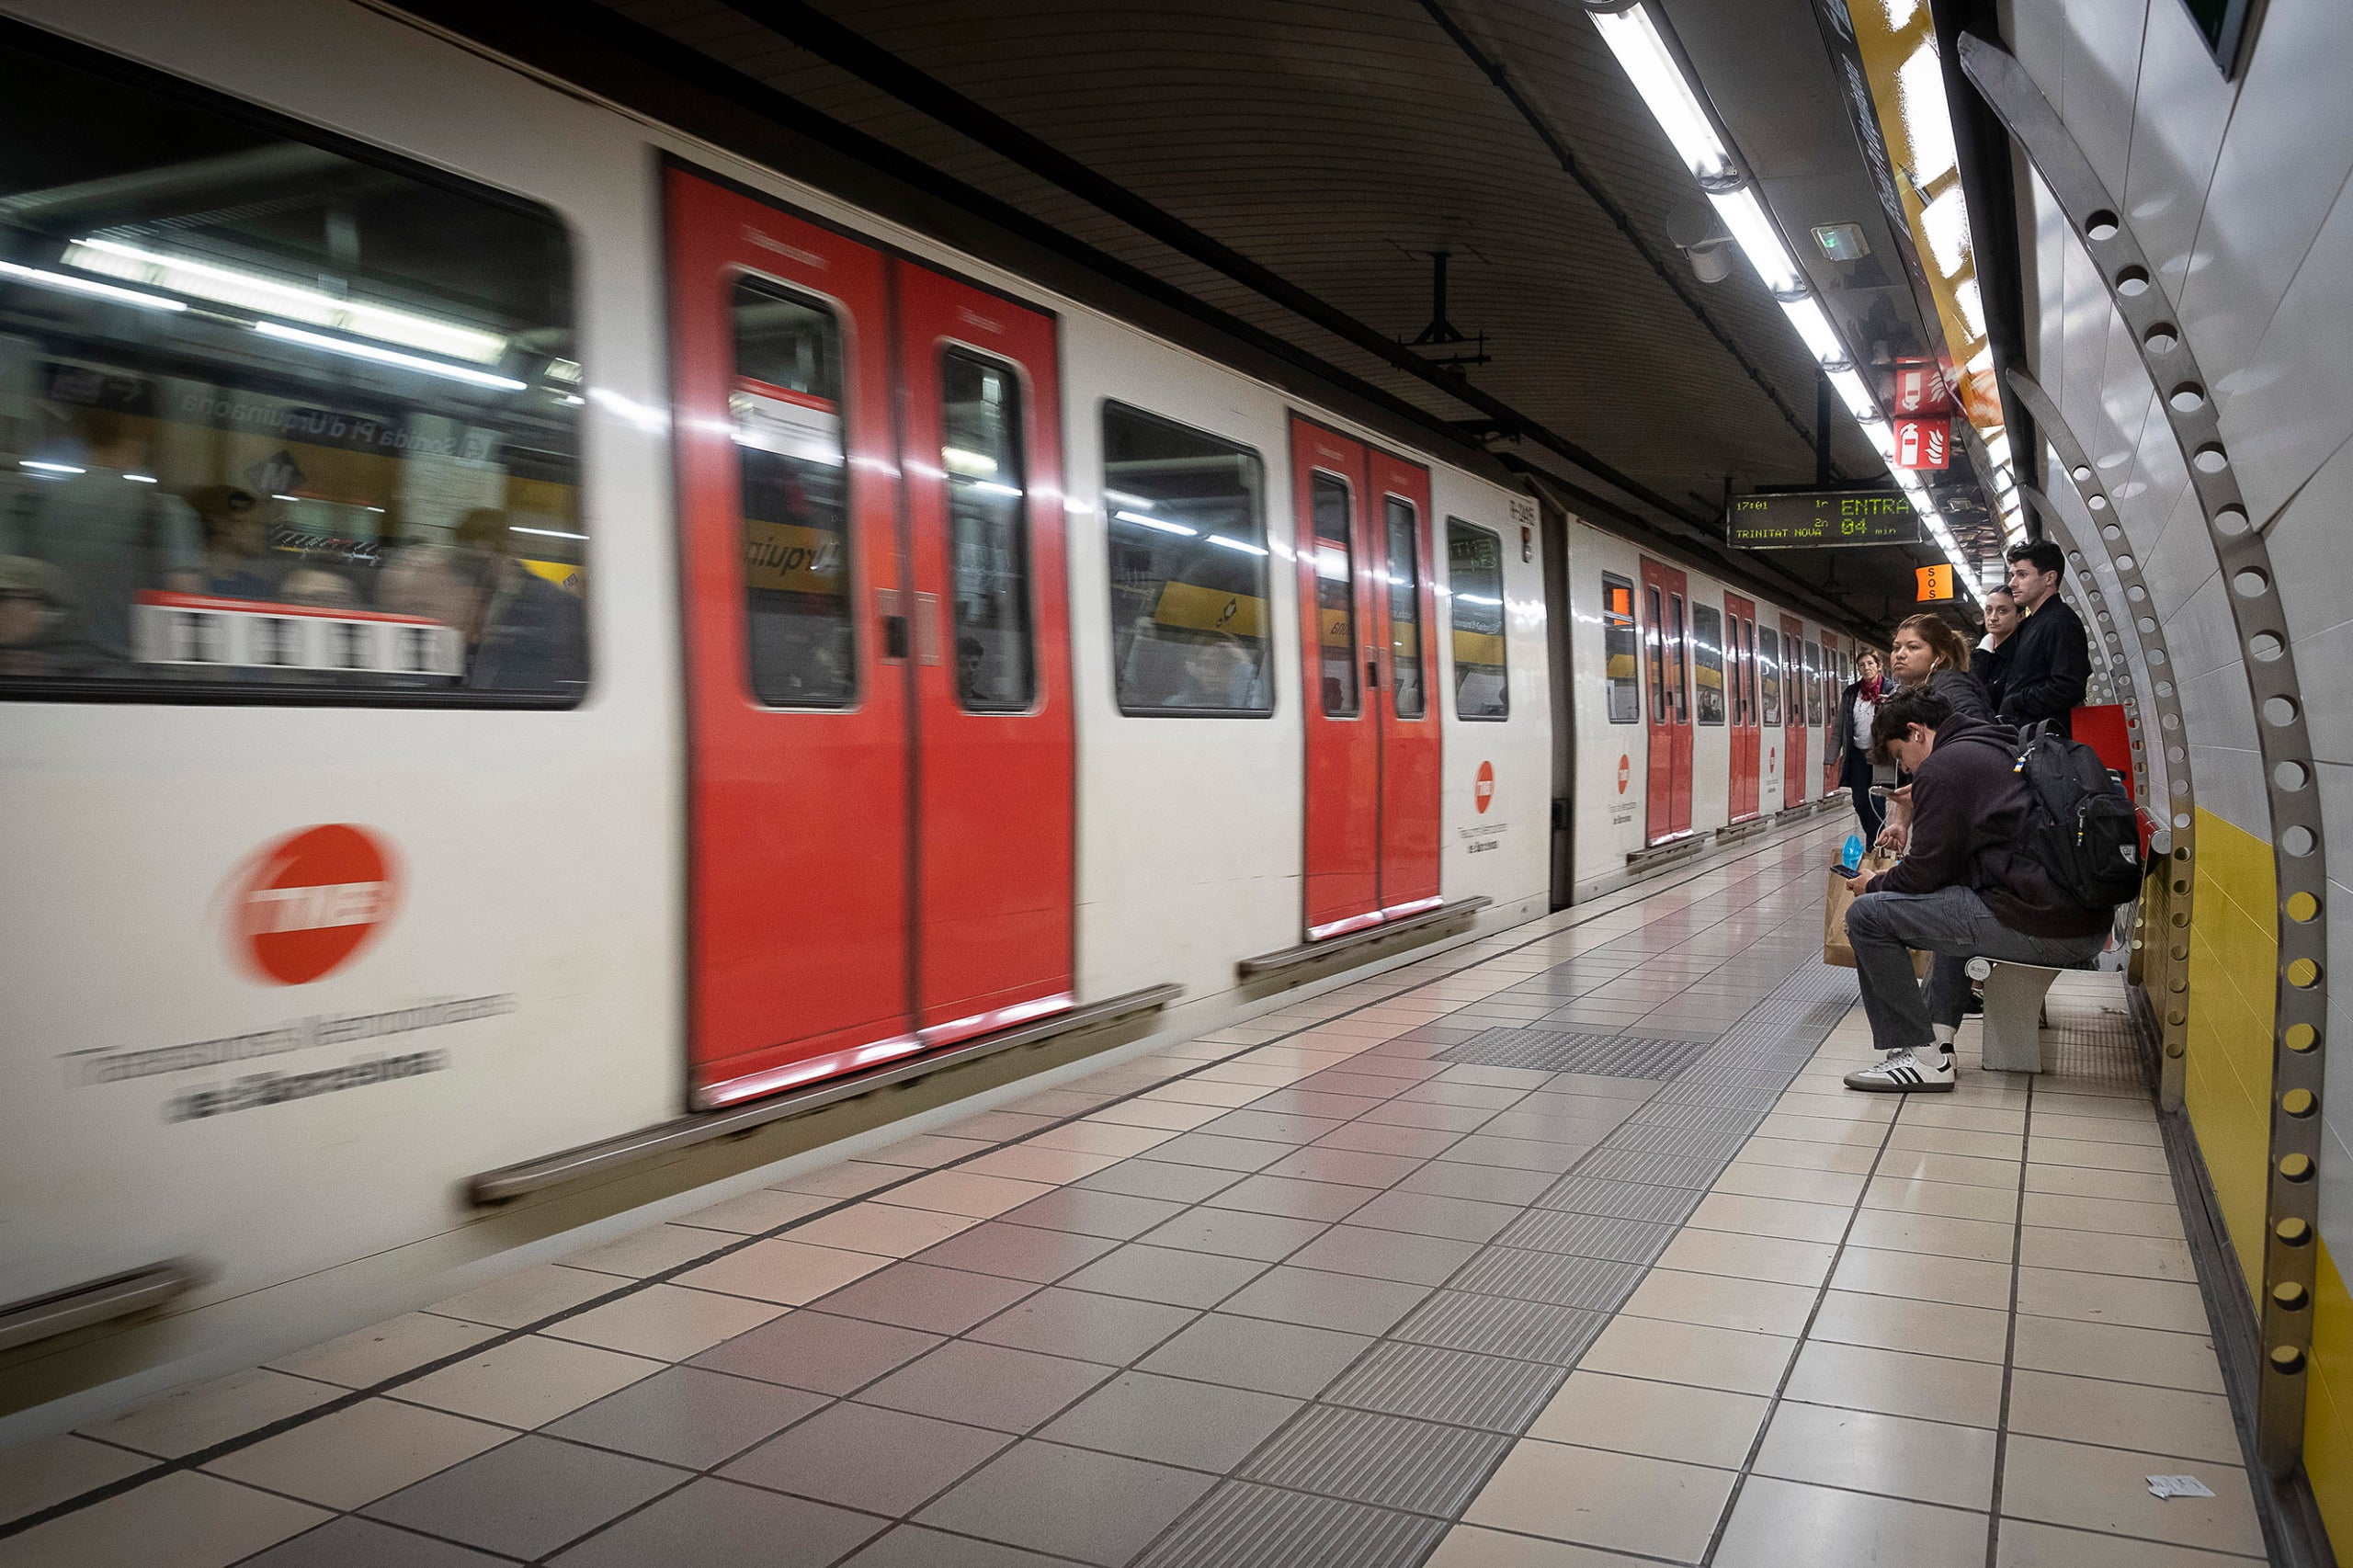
column 304, row 905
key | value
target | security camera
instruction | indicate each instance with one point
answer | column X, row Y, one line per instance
column 1693, row 228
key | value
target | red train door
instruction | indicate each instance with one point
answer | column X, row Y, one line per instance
column 820, row 822
column 1667, row 638
column 1366, row 596
column 1410, row 750
column 981, row 471
column 1740, row 666
column 1793, row 686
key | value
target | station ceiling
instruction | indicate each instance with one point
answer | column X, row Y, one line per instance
column 1338, row 145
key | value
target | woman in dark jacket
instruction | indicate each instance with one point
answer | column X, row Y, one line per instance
column 1856, row 706
column 1927, row 651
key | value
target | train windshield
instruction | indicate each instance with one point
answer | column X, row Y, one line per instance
column 279, row 420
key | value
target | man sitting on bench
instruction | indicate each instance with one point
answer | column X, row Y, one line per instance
column 1963, row 889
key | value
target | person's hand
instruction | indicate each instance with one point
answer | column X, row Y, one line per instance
column 1858, row 885
column 1901, row 799
column 1893, row 837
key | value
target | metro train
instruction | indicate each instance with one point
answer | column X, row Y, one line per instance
column 517, row 624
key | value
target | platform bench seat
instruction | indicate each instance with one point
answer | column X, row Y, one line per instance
column 2014, row 994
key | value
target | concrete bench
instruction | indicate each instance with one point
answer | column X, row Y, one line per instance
column 2014, row 994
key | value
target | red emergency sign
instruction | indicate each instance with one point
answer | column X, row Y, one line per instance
column 1923, row 443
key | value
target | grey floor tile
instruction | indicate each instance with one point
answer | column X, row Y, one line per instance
column 884, row 1461
column 1492, row 1392
column 921, row 1296
column 1349, row 1302
column 1516, row 1153
column 1018, row 1252
column 1421, row 1113
column 1350, row 1168
column 1146, row 1178
column 1388, row 1461
column 1272, row 1126
column 1100, row 1508
column 1603, row 1084
column 1656, row 1170
column 354, row 1542
column 687, row 1417
column 1173, row 1420
column 1166, row 1274
column 986, row 1385
column 1310, row 1102
column 1426, row 1214
column 1298, row 1199
column 1384, row 1255
column 1268, row 1527
column 1113, row 1214
column 1489, row 1184
column 816, row 1350
column 1221, row 1154
column 717, row 1524
column 1256, row 1353
column 912, row 1546
column 1110, row 1330
column 1388, row 1138
column 527, row 1497
column 1235, row 1233
column 1497, row 1325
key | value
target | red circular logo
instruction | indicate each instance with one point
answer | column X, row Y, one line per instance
column 1484, row 791
column 310, row 901
column 1625, row 771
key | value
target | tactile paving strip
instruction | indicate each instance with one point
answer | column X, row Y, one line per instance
column 1388, row 1461
column 1587, row 1235
column 1492, row 1392
column 1269, row 1527
column 1497, row 1325
column 1597, row 1284
column 1621, row 1200
column 1554, row 1050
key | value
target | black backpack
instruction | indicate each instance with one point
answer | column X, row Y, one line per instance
column 2079, row 826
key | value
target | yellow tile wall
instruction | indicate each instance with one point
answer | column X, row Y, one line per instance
column 2233, row 961
column 2329, row 1403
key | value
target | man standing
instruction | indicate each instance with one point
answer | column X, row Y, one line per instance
column 1991, row 663
column 2049, row 663
column 1965, row 888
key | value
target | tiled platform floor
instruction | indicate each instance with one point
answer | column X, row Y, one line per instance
column 1326, row 1290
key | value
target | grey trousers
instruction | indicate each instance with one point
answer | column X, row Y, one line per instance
column 1954, row 924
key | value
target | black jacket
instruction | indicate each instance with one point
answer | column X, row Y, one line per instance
column 2047, row 666
column 1969, row 806
column 1844, row 735
column 1992, row 668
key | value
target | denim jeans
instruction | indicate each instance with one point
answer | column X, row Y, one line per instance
column 1954, row 924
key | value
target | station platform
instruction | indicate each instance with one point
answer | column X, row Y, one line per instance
column 1564, row 1249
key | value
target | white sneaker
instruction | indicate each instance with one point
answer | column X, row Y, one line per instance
column 1924, row 1070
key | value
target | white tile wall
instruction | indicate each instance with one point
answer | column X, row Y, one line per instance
column 2180, row 111
column 2103, row 74
column 2308, row 538
column 2230, row 785
column 2289, row 410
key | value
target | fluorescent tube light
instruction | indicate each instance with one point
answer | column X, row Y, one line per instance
column 272, row 296
column 1882, row 439
column 989, row 486
column 552, row 533
column 1634, row 39
column 1236, row 544
column 47, row 280
column 39, row 467
column 1856, row 395
column 979, row 465
column 1141, row 504
column 1163, row 523
column 1821, row 338
column 1745, row 215
column 466, row 373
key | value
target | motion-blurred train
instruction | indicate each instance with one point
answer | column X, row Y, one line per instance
column 517, row 624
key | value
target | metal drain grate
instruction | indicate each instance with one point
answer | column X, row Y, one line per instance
column 1555, row 1051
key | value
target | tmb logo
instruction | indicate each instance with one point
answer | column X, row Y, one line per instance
column 1625, row 771
column 306, row 904
column 1482, row 789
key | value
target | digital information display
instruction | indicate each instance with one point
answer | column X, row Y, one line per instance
column 1776, row 519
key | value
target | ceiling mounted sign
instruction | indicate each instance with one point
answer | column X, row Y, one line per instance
column 1923, row 443
column 1783, row 519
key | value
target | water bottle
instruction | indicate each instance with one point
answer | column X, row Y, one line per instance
column 1851, row 857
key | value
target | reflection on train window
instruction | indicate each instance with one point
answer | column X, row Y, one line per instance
column 786, row 406
column 1707, row 662
column 1474, row 571
column 277, row 421
column 1748, row 671
column 1335, row 615
column 1409, row 698
column 1813, row 683
column 1678, row 640
column 1768, row 661
column 1621, row 645
column 1654, row 640
column 1185, row 516
column 988, row 535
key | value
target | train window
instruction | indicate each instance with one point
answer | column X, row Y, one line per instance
column 1654, row 637
column 785, row 403
column 1407, row 696
column 988, row 535
column 1474, row 575
column 1620, row 654
column 1184, row 516
column 1812, row 656
column 1336, row 613
column 1678, row 641
column 1708, row 661
column 280, row 420
column 1749, row 673
column 1768, row 661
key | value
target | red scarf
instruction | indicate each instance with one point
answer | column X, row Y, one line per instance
column 1869, row 689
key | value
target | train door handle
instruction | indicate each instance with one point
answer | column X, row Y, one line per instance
column 926, row 618
column 1372, row 671
column 894, row 624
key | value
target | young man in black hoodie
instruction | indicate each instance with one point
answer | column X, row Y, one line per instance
column 2049, row 663
column 1965, row 888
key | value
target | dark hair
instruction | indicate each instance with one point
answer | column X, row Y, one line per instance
column 2003, row 589
column 1943, row 641
column 1895, row 715
column 2041, row 554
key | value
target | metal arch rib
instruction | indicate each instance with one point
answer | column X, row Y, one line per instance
column 2260, row 623
column 2155, row 678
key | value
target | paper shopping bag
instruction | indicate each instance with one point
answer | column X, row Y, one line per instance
column 1836, row 950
